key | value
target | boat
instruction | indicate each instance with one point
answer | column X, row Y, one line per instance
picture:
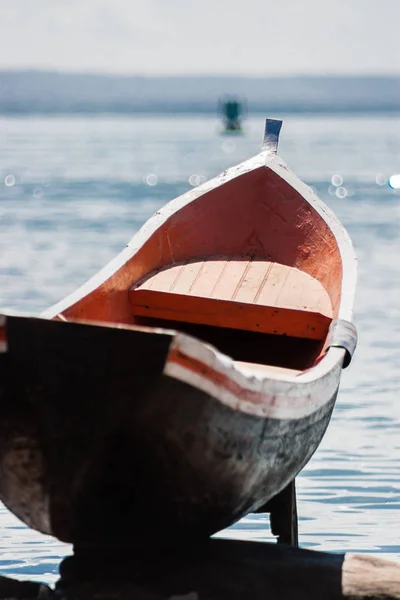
column 231, row 110
column 190, row 381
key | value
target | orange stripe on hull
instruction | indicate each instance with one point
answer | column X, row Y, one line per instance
column 242, row 394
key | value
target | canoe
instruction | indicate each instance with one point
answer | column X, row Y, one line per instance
column 190, row 381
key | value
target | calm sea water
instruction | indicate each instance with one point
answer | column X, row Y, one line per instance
column 74, row 190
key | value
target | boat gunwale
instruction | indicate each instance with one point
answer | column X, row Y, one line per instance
column 201, row 365
column 268, row 158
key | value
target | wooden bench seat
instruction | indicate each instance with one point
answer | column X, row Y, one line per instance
column 239, row 293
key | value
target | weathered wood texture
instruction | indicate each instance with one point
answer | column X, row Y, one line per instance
column 93, row 434
column 231, row 570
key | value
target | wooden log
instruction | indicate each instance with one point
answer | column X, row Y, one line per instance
column 229, row 570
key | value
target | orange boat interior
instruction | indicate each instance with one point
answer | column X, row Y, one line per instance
column 248, row 266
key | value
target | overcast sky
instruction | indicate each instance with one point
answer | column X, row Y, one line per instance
column 251, row 37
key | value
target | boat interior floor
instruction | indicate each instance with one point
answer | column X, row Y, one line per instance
column 262, row 312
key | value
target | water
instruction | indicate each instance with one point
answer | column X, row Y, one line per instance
column 74, row 190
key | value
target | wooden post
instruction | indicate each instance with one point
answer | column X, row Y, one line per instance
column 283, row 515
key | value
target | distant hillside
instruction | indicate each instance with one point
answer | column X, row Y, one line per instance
column 24, row 92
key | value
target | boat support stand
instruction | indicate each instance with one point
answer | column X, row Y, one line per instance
column 282, row 510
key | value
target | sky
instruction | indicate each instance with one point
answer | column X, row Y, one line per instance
column 162, row 37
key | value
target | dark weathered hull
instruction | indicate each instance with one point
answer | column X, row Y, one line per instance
column 99, row 446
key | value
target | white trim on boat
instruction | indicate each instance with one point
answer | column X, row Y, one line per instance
column 203, row 367
column 265, row 158
column 270, row 159
column 349, row 259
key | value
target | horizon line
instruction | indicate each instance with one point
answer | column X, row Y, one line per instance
column 124, row 75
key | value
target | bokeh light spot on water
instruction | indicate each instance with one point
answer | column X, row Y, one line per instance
column 394, row 181
column 196, row 180
column 151, row 179
column 381, row 179
column 9, row 180
column 228, row 146
column 337, row 180
column 341, row 192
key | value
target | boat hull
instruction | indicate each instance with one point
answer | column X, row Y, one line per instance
column 100, row 446
column 190, row 380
